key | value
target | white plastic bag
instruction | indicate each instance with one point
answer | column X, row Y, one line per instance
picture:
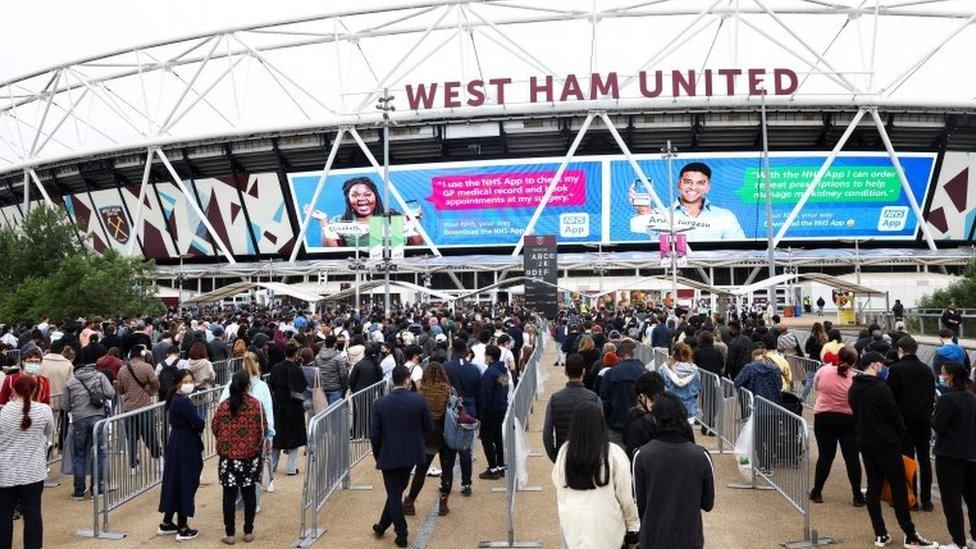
column 743, row 451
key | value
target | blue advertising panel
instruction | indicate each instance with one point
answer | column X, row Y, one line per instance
column 463, row 204
column 722, row 197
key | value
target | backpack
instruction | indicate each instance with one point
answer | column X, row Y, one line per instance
column 167, row 378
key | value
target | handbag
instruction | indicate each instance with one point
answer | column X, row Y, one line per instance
column 319, row 402
column 457, row 435
column 910, row 467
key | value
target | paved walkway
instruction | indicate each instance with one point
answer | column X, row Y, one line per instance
column 741, row 518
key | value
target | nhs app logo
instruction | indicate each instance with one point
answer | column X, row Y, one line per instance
column 893, row 218
column 574, row 225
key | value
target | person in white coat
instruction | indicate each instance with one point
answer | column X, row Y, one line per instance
column 594, row 493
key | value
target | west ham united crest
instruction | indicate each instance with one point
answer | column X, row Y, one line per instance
column 115, row 223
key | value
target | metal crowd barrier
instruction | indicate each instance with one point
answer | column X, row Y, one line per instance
column 338, row 439
column 736, row 409
column 711, row 409
column 125, row 456
column 517, row 416
column 803, row 371
column 56, row 443
column 644, row 353
column 781, row 458
column 226, row 368
column 660, row 357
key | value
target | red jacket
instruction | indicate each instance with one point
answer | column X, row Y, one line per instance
column 239, row 437
column 42, row 392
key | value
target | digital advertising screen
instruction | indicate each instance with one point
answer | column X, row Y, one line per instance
column 722, row 197
column 717, row 197
column 463, row 204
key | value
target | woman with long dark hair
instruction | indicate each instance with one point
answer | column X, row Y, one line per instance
column 674, row 480
column 184, row 460
column 813, row 346
column 436, row 390
column 833, row 423
column 239, row 427
column 25, row 427
column 954, row 424
column 593, row 485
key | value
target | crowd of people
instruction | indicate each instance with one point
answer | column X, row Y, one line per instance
column 627, row 469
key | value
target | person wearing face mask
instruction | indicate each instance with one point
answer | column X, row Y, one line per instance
column 31, row 360
column 640, row 427
column 880, row 430
column 86, row 394
column 184, row 460
column 954, row 424
column 913, row 384
column 333, row 369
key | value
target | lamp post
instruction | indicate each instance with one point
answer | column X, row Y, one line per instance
column 181, row 278
column 771, row 255
column 386, row 106
column 669, row 153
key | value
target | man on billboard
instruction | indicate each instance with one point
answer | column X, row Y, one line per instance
column 692, row 211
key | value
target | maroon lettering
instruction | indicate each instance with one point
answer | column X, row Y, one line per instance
column 785, row 89
column 422, row 98
column 756, row 79
column 729, row 75
column 604, row 88
column 571, row 87
column 657, row 84
column 500, row 84
column 535, row 89
column 708, row 82
column 679, row 82
column 451, row 91
column 476, row 93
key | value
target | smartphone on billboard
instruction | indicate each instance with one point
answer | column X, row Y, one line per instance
column 640, row 198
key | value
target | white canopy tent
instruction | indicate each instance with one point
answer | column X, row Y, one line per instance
column 505, row 284
column 238, row 288
column 367, row 287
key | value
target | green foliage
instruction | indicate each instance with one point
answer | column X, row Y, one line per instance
column 47, row 272
column 962, row 292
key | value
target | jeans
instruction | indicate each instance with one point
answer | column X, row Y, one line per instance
column 807, row 384
column 464, row 456
column 917, row 444
column 141, row 426
column 491, row 438
column 881, row 466
column 395, row 481
column 832, row 428
column 28, row 498
column 292, row 459
column 957, row 482
column 447, row 458
column 333, row 396
column 82, row 441
column 248, row 493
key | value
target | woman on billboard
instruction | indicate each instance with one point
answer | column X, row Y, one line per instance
column 706, row 221
column 362, row 202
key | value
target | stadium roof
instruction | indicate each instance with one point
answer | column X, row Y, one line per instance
column 238, row 288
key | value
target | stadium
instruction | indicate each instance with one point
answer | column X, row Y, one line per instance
column 204, row 152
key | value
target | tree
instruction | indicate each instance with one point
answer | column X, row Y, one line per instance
column 963, row 292
column 49, row 273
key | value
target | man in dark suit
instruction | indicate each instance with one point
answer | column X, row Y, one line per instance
column 399, row 423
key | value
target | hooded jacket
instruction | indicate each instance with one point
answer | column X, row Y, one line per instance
column 355, row 353
column 333, row 370
column 955, row 425
column 877, row 420
column 949, row 352
column 76, row 393
column 913, row 386
column 683, row 381
column 763, row 379
column 617, row 392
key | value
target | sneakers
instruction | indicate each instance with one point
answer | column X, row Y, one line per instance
column 248, row 538
column 881, row 541
column 971, row 544
column 167, row 529
column 466, row 490
column 270, row 488
column 401, row 541
column 377, row 531
column 859, row 501
column 489, row 474
column 228, row 540
column 78, row 496
column 950, row 546
column 433, row 471
column 815, row 497
column 918, row 542
column 186, row 534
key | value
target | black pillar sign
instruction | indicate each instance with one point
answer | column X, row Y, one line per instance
column 542, row 274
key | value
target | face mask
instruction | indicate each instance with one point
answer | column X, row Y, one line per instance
column 944, row 380
column 186, row 388
column 32, row 367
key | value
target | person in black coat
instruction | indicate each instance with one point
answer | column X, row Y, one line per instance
column 288, row 385
column 641, row 427
column 399, row 425
column 707, row 355
column 880, row 430
column 563, row 404
column 955, row 451
column 671, row 469
column 913, row 385
column 259, row 346
column 740, row 351
column 367, row 371
column 184, row 460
